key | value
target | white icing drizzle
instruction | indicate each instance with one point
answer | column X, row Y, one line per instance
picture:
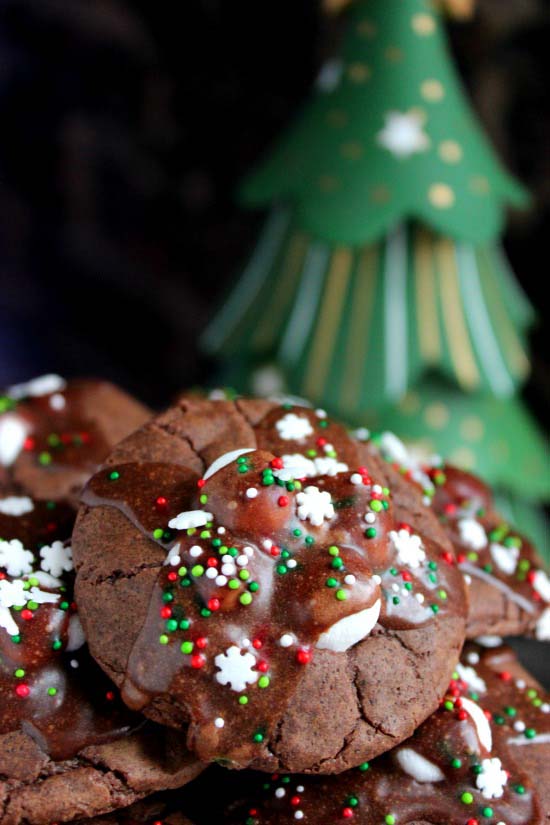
column 348, row 631
column 226, row 459
column 499, row 585
column 417, row 766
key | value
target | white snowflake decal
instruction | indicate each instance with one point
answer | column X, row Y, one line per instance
column 402, row 134
column 314, row 505
column 492, row 779
column 328, row 466
column 190, row 518
column 409, row 548
column 236, row 668
column 541, row 583
column 16, row 505
column 13, row 594
column 469, row 675
column 14, row 558
column 56, row 558
column 292, row 427
column 505, row 558
column 472, row 533
column 298, row 466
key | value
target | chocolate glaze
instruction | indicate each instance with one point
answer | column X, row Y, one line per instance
column 251, row 628
column 454, row 743
column 49, row 685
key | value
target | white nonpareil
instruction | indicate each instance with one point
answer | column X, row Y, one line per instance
column 472, row 533
column 410, row 551
column 14, row 558
column 505, row 558
column 16, row 505
column 469, row 675
column 417, row 766
column 189, row 519
column 292, row 427
column 492, row 779
column 236, row 668
column 350, row 630
column 403, row 134
column 314, row 505
column 56, row 558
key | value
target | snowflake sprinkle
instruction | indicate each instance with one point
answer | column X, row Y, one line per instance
column 492, row 779
column 236, row 669
column 314, row 505
column 292, row 427
column 409, row 548
column 14, row 558
column 56, row 558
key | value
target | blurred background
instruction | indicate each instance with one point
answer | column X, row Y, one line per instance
column 125, row 129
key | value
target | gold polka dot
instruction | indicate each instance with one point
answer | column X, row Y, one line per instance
column 328, row 183
column 358, row 72
column 432, row 90
column 409, row 404
column 479, row 185
column 352, row 150
column 472, row 428
column 441, row 195
column 423, row 24
column 393, row 54
column 337, row 118
column 366, row 28
column 436, row 415
column 463, row 457
column 380, row 194
column 450, row 151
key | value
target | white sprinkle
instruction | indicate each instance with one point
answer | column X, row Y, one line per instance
column 195, row 551
column 175, row 560
column 520, row 684
column 245, row 643
column 57, row 402
column 251, row 492
column 377, row 579
column 219, row 722
column 320, row 413
column 362, row 434
column 291, row 564
column 350, row 579
column 227, row 559
column 221, row 580
column 420, row 598
column 545, row 707
column 221, row 531
column 376, row 488
column 467, row 578
column 228, row 569
column 356, row 479
column 473, row 658
column 211, row 573
column 299, row 815
column 300, row 788
column 267, row 544
column 286, row 640
column 74, row 663
column 370, row 518
column 280, row 792
column 426, row 501
column 519, row 726
column 242, row 561
column 395, row 587
column 249, row 551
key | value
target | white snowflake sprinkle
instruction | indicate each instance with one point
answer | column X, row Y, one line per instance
column 472, row 533
column 236, row 669
column 409, row 548
column 13, row 593
column 292, row 427
column 314, row 505
column 492, row 779
column 189, row 519
column 16, row 505
column 505, row 558
column 7, row 622
column 541, row 584
column 57, row 558
column 468, row 675
column 14, row 558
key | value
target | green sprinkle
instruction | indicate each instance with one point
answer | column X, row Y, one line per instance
column 282, row 569
column 45, row 458
column 244, row 575
column 456, row 763
column 205, row 612
column 185, row 624
column 389, row 819
column 341, row 595
column 529, row 733
column 333, row 550
column 370, row 532
column 187, row 647
column 309, row 540
column 245, row 598
column 19, row 673
column 337, row 563
column 171, row 625
column 182, row 571
column 432, row 565
column 263, row 681
column 197, row 571
column 32, row 605
column 258, row 737
column 158, row 533
column 234, row 584
column 364, row 766
column 467, row 798
column 253, row 587
column 353, row 802
column 243, row 700
column 519, row 789
column 375, row 505
column 54, row 440
column 167, row 597
column 297, row 532
column 396, row 600
column 216, row 542
column 163, row 639
column 331, row 582
column 448, row 705
column 509, row 711
column 16, row 639
column 435, row 608
column 487, row 811
column 52, row 691
column 203, row 499
column 114, row 475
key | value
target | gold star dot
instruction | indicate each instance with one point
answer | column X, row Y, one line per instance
column 450, row 151
column 380, row 193
column 432, row 90
column 472, row 428
column 352, row 150
column 393, row 54
column 479, row 185
column 436, row 415
column 463, row 457
column 423, row 24
column 358, row 72
column 328, row 183
column 410, row 404
column 337, row 118
column 366, row 28
column 441, row 195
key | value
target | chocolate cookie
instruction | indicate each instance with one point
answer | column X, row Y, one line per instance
column 54, row 434
column 68, row 746
column 481, row 758
column 250, row 573
column 509, row 590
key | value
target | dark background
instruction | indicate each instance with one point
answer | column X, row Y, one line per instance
column 124, row 128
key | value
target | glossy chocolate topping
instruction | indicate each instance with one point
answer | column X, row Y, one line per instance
column 463, row 765
column 49, row 685
column 283, row 548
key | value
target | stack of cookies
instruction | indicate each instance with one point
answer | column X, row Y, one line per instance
column 249, row 584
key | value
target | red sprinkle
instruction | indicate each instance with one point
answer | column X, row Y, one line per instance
column 257, row 644
column 161, row 503
column 321, row 441
column 282, row 501
column 28, row 443
column 347, row 813
column 22, row 691
column 109, row 695
column 213, row 604
column 448, row 557
column 277, row 463
column 295, row 800
column 165, row 612
column 212, row 562
column 200, row 483
column 201, row 642
column 462, row 715
column 404, row 526
column 275, row 550
column 263, row 667
column 505, row 675
column 197, row 661
column 303, row 656
column 26, row 614
column 172, row 577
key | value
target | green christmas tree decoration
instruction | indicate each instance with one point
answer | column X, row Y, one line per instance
column 378, row 278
